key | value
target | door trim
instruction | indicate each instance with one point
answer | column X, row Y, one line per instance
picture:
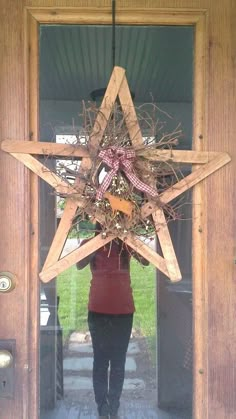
column 140, row 16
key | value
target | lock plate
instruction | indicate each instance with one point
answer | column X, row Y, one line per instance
column 7, row 375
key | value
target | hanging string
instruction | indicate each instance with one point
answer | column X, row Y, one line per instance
column 99, row 93
column 113, row 32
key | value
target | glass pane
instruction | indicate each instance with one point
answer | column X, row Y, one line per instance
column 76, row 61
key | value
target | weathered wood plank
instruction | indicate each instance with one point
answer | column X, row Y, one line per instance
column 15, row 229
column 61, row 233
column 177, row 156
column 220, row 217
column 55, row 150
column 31, row 48
column 188, row 182
column 71, row 205
column 44, row 148
column 166, row 244
column 106, row 107
column 199, row 255
column 144, row 250
column 130, row 114
column 52, row 179
column 73, row 257
column 158, row 217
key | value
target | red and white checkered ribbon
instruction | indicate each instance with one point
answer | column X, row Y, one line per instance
column 118, row 158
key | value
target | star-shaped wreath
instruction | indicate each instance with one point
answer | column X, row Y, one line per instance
column 117, row 159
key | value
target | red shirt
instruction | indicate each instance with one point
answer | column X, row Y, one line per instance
column 110, row 287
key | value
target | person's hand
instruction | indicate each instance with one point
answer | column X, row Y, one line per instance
column 84, row 262
column 140, row 258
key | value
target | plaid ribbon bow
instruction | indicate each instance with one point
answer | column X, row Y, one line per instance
column 118, row 158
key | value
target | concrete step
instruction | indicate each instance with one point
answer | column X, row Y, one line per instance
column 86, row 348
column 86, row 364
column 73, row 382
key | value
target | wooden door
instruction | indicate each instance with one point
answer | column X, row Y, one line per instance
column 214, row 295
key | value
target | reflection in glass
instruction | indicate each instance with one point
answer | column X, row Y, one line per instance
column 74, row 61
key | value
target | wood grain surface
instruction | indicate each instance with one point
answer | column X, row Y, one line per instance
column 214, row 298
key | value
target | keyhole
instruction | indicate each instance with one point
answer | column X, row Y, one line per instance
column 4, row 384
column 5, row 283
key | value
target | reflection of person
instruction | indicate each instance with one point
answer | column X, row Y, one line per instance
column 110, row 320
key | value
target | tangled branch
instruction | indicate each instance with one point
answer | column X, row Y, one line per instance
column 158, row 173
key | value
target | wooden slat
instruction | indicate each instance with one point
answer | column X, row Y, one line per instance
column 199, row 253
column 31, row 110
column 50, row 271
column 117, row 76
column 166, row 244
column 129, row 13
column 130, row 115
column 165, row 241
column 100, row 124
column 16, row 231
column 220, row 217
column 61, row 187
column 63, row 230
column 61, row 233
column 188, row 182
column 44, row 148
column 44, row 173
column 144, row 250
column 73, row 257
column 71, row 205
column 177, row 156
column 158, row 217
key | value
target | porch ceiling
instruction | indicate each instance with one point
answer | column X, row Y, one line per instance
column 74, row 60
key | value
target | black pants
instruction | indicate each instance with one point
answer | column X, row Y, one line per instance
column 110, row 338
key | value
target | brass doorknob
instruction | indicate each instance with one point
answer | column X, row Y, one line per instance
column 6, row 358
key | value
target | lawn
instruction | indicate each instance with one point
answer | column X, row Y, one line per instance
column 73, row 290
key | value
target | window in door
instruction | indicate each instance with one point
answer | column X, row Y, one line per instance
column 75, row 61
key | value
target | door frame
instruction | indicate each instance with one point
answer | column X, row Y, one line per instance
column 34, row 17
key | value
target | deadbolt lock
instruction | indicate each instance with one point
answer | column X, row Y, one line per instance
column 7, row 282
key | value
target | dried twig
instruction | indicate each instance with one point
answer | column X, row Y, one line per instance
column 165, row 172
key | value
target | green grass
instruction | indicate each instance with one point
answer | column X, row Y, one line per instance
column 73, row 290
column 144, row 292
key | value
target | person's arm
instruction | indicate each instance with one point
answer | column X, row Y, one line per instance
column 84, row 262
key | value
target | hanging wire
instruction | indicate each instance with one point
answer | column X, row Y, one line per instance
column 113, row 32
column 99, row 93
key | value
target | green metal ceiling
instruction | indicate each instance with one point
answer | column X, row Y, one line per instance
column 75, row 60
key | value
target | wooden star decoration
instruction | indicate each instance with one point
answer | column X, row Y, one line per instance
column 208, row 162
